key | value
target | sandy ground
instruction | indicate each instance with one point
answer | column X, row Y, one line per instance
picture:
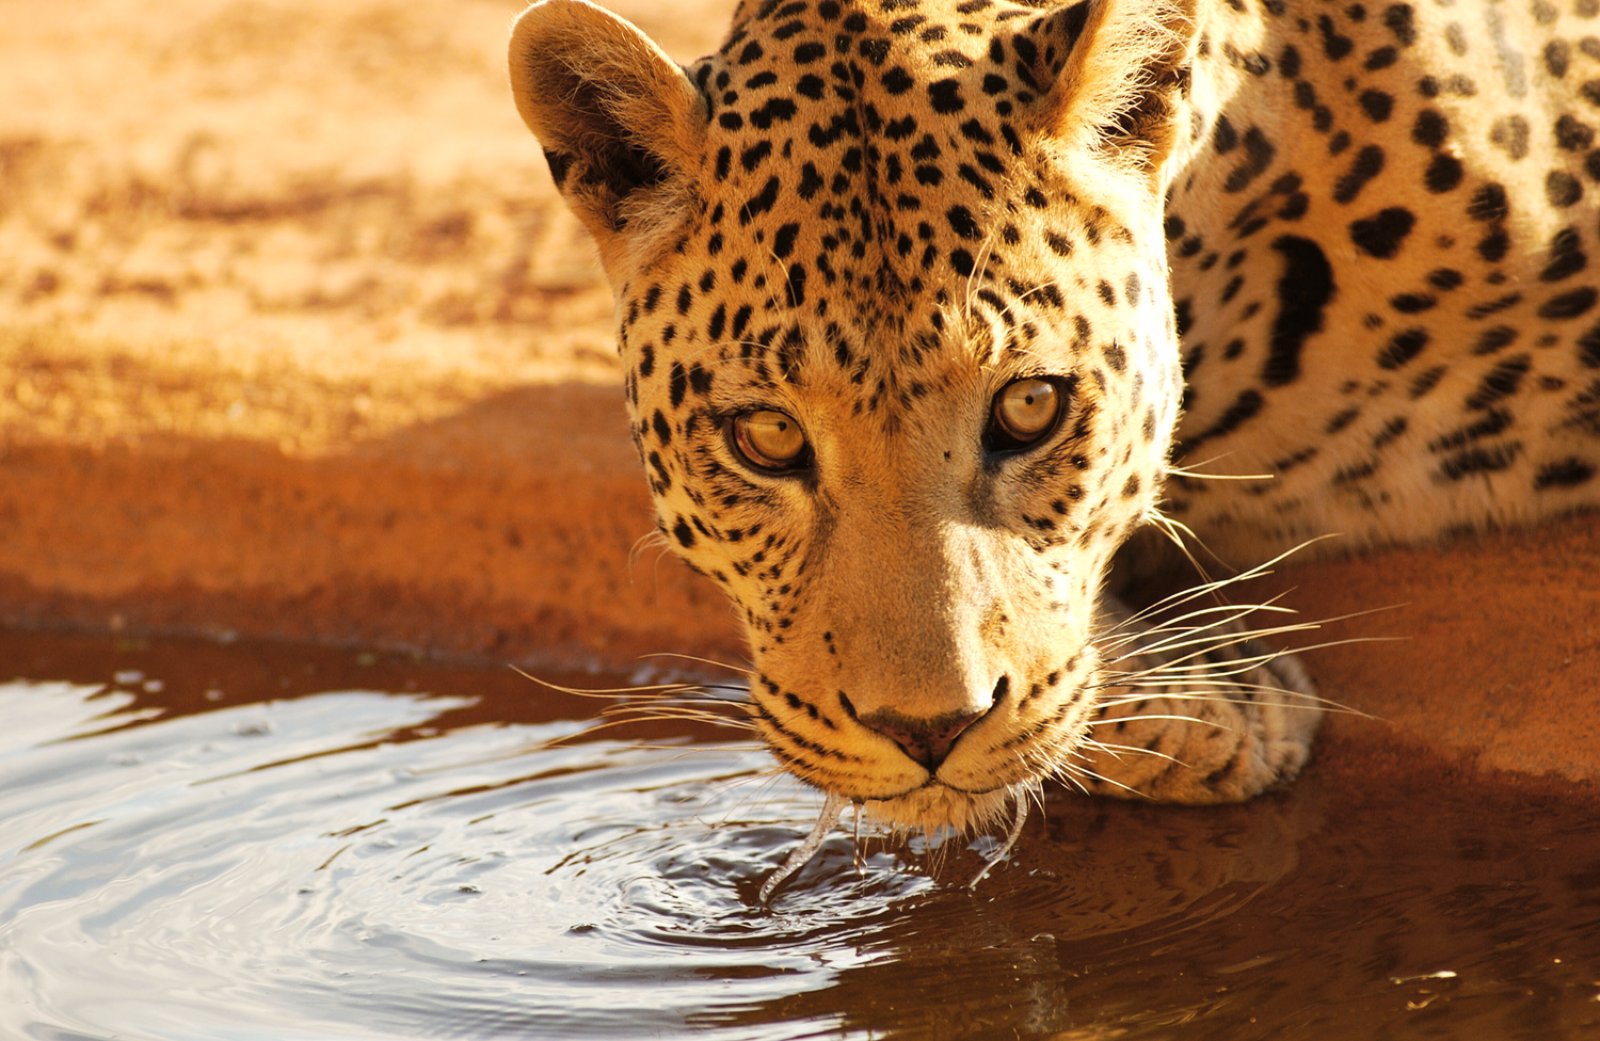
column 296, row 341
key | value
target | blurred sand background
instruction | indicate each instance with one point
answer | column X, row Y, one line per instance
column 296, row 341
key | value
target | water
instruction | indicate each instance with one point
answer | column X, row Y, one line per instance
column 202, row 842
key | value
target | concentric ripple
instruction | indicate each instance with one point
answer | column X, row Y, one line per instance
column 288, row 864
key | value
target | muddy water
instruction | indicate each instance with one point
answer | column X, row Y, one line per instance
column 199, row 842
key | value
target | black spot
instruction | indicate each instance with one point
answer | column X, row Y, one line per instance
column 678, row 384
column 1377, row 105
column 976, row 179
column 1443, row 174
column 783, row 241
column 1258, row 156
column 1561, row 188
column 795, row 283
column 875, row 50
column 1494, row 338
column 1564, row 474
column 1569, row 305
column 1289, row 62
column 1566, row 256
column 946, row 96
column 1426, row 381
column 776, row 110
column 1382, row 234
column 1481, row 460
column 1589, row 348
column 962, row 261
column 1492, row 423
column 684, row 533
column 1400, row 20
column 1224, row 138
column 1557, row 56
column 750, row 158
column 662, row 428
column 1401, row 348
column 810, row 181
column 1381, row 58
column 1489, row 203
column 1368, row 164
column 1413, row 303
column 975, row 132
column 1510, row 133
column 1504, row 303
column 897, row 80
column 1391, row 430
column 1500, row 382
column 1244, row 408
column 963, row 223
column 700, row 379
column 1304, row 290
column 761, row 202
column 1495, row 245
column 1334, row 45
column 1183, row 316
column 1430, row 128
column 1445, row 279
column 1573, row 135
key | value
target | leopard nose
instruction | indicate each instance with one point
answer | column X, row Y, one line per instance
column 926, row 741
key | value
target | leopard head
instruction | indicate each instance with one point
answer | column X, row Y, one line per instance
column 901, row 361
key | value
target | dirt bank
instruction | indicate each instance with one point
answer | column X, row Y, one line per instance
column 296, row 340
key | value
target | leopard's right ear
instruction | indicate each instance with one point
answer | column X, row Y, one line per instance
column 622, row 126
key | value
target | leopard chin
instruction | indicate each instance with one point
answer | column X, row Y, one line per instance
column 936, row 808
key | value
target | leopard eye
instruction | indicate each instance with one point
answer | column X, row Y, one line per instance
column 771, row 441
column 1023, row 414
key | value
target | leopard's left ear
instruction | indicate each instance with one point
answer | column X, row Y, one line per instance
column 1112, row 74
column 622, row 125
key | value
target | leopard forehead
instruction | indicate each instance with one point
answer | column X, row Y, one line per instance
column 877, row 194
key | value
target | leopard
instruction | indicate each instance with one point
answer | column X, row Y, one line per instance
column 935, row 317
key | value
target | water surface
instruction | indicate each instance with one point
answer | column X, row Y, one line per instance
column 204, row 842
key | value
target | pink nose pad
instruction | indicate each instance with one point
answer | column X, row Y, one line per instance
column 926, row 741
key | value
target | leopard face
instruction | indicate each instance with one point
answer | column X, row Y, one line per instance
column 901, row 358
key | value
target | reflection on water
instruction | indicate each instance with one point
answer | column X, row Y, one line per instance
column 238, row 843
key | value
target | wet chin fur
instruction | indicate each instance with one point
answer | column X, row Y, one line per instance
column 936, row 807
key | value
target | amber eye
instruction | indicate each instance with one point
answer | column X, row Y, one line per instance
column 769, row 440
column 1023, row 413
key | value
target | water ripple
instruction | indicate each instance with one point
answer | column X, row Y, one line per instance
column 183, row 863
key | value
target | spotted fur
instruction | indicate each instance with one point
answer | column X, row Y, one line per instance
column 1342, row 246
